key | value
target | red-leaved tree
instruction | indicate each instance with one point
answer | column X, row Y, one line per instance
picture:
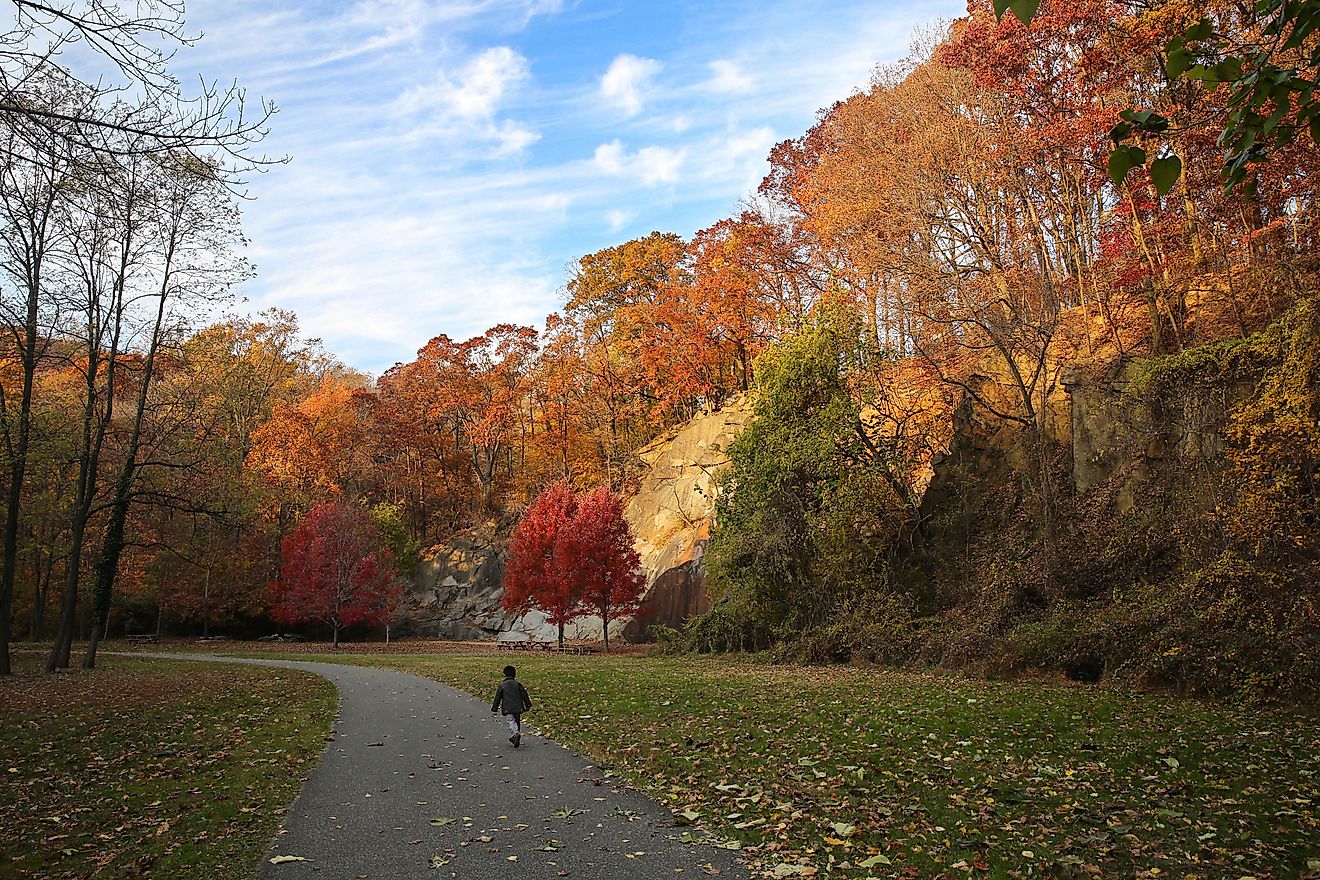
column 534, row 577
column 599, row 549
column 336, row 571
column 571, row 555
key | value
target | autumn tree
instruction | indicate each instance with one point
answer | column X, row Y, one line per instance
column 610, row 297
column 336, row 571
column 598, row 551
column 560, row 444
column 311, row 449
column 572, row 554
column 535, row 577
column 459, row 409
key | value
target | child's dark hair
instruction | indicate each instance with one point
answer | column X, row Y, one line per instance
column 510, row 672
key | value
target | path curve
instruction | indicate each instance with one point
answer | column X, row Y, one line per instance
column 406, row 750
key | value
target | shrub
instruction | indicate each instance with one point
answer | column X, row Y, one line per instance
column 873, row 628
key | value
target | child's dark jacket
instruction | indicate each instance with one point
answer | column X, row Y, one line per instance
column 511, row 698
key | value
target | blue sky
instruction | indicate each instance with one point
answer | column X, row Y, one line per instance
column 449, row 158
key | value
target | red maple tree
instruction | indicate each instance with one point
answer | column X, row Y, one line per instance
column 335, row 571
column 571, row 555
column 599, row 547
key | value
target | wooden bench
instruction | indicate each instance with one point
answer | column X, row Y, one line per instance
column 141, row 640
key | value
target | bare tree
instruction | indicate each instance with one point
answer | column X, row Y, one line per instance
column 192, row 225
column 30, row 202
column 149, row 105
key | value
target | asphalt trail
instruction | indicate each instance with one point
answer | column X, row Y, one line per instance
column 406, row 750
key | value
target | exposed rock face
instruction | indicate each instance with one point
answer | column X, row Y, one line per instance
column 672, row 511
column 1112, row 436
column 457, row 586
column 456, row 589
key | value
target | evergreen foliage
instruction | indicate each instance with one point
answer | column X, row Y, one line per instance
column 806, row 514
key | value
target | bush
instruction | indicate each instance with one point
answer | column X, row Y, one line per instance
column 727, row 627
column 876, row 628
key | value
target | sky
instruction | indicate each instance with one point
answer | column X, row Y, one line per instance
column 449, row 159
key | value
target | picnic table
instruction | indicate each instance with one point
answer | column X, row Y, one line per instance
column 141, row 640
column 548, row 647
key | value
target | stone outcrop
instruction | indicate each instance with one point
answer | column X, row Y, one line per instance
column 457, row 586
column 1113, row 436
column 672, row 511
column 456, row 589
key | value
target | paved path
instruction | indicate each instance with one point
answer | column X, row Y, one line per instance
column 407, row 750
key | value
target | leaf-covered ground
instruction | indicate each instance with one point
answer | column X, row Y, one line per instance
column 151, row 768
column 854, row 772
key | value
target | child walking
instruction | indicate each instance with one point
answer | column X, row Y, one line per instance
column 511, row 697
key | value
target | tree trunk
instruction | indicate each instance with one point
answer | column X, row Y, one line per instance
column 18, row 465
column 59, row 652
column 335, row 643
column 561, row 635
column 18, row 468
column 605, row 628
column 206, row 600
column 112, row 545
column 107, row 565
column 41, row 584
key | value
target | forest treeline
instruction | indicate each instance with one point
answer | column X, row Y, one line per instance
column 950, row 237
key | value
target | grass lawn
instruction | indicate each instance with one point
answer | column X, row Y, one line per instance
column 866, row 773
column 151, row 768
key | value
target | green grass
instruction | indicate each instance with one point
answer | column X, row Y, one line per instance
column 151, row 768
column 931, row 776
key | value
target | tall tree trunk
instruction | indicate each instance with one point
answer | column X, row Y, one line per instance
column 561, row 635
column 107, row 564
column 35, row 220
column 112, row 544
column 14, row 496
column 89, row 461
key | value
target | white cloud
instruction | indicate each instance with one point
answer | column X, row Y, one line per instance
column 660, row 164
column 728, row 76
column 743, row 155
column 461, row 106
column 609, row 157
column 617, row 219
column 513, row 138
column 627, row 80
column 755, row 142
column 650, row 165
column 680, row 123
column 475, row 92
